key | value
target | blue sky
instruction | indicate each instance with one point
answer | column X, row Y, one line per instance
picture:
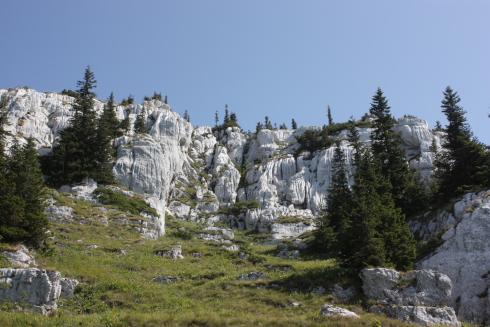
column 279, row 58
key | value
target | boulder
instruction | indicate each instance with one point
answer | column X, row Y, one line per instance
column 175, row 252
column 331, row 311
column 419, row 296
column 68, row 286
column 37, row 288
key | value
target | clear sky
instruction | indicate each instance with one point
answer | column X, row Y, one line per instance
column 280, row 58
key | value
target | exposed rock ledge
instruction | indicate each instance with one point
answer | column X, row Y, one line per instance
column 37, row 288
column 419, row 296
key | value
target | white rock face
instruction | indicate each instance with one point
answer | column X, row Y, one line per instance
column 173, row 156
column 68, row 286
column 38, row 288
column 465, row 257
column 329, row 310
column 425, row 316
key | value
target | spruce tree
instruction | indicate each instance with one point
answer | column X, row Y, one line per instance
column 329, row 116
column 463, row 165
column 140, row 122
column 216, row 119
column 404, row 185
column 123, row 127
column 107, row 131
column 74, row 157
column 26, row 178
column 335, row 224
column 258, row 127
column 226, row 118
column 294, row 125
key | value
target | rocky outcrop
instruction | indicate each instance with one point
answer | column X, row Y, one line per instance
column 39, row 289
column 207, row 170
column 465, row 255
column 420, row 296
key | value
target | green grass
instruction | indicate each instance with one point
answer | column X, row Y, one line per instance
column 117, row 290
column 290, row 220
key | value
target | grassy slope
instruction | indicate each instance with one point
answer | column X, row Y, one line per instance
column 117, row 290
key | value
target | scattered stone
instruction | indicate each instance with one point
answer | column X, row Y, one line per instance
column 217, row 234
column 92, row 246
column 331, row 311
column 68, row 286
column 243, row 255
column 20, row 257
column 175, row 252
column 59, row 214
column 39, row 289
column 197, row 255
column 231, row 248
column 123, row 252
column 294, row 304
column 254, row 275
column 166, row 279
column 287, row 254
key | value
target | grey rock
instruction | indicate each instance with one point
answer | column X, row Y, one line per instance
column 166, row 279
column 254, row 275
column 39, row 289
column 174, row 253
column 68, row 286
column 425, row 316
column 331, row 311
column 20, row 257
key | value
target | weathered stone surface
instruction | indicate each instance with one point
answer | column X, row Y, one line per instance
column 68, row 286
column 465, row 257
column 166, row 279
column 254, row 275
column 40, row 289
column 59, row 214
column 330, row 311
column 425, row 316
column 20, row 257
column 175, row 252
column 419, row 296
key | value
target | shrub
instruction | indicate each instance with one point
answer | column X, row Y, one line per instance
column 123, row 202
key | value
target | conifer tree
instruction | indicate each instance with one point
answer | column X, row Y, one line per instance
column 26, row 179
column 335, row 224
column 294, row 125
column 186, row 116
column 124, row 124
column 463, row 164
column 226, row 118
column 74, row 157
column 258, row 127
column 216, row 119
column 140, row 122
column 165, row 100
column 267, row 123
column 404, row 185
column 329, row 116
column 233, row 121
column 107, row 131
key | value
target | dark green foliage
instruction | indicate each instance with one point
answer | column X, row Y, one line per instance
column 226, row 117
column 438, row 127
column 107, row 131
column 133, row 205
column 216, row 119
column 463, row 165
column 313, row 140
column 283, row 126
column 128, row 101
column 258, row 127
column 329, row 116
column 294, row 125
column 233, row 122
column 124, row 124
column 74, row 157
column 267, row 123
column 140, row 122
column 157, row 96
column 404, row 185
column 70, row 93
column 335, row 224
column 22, row 197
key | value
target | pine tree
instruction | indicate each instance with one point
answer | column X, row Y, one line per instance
column 463, row 164
column 187, row 117
column 438, row 126
column 165, row 100
column 216, row 119
column 226, row 118
column 140, row 122
column 27, row 180
column 335, row 224
column 107, row 131
column 294, row 125
column 405, row 187
column 74, row 157
column 267, row 123
column 123, row 127
column 329, row 116
column 233, row 121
